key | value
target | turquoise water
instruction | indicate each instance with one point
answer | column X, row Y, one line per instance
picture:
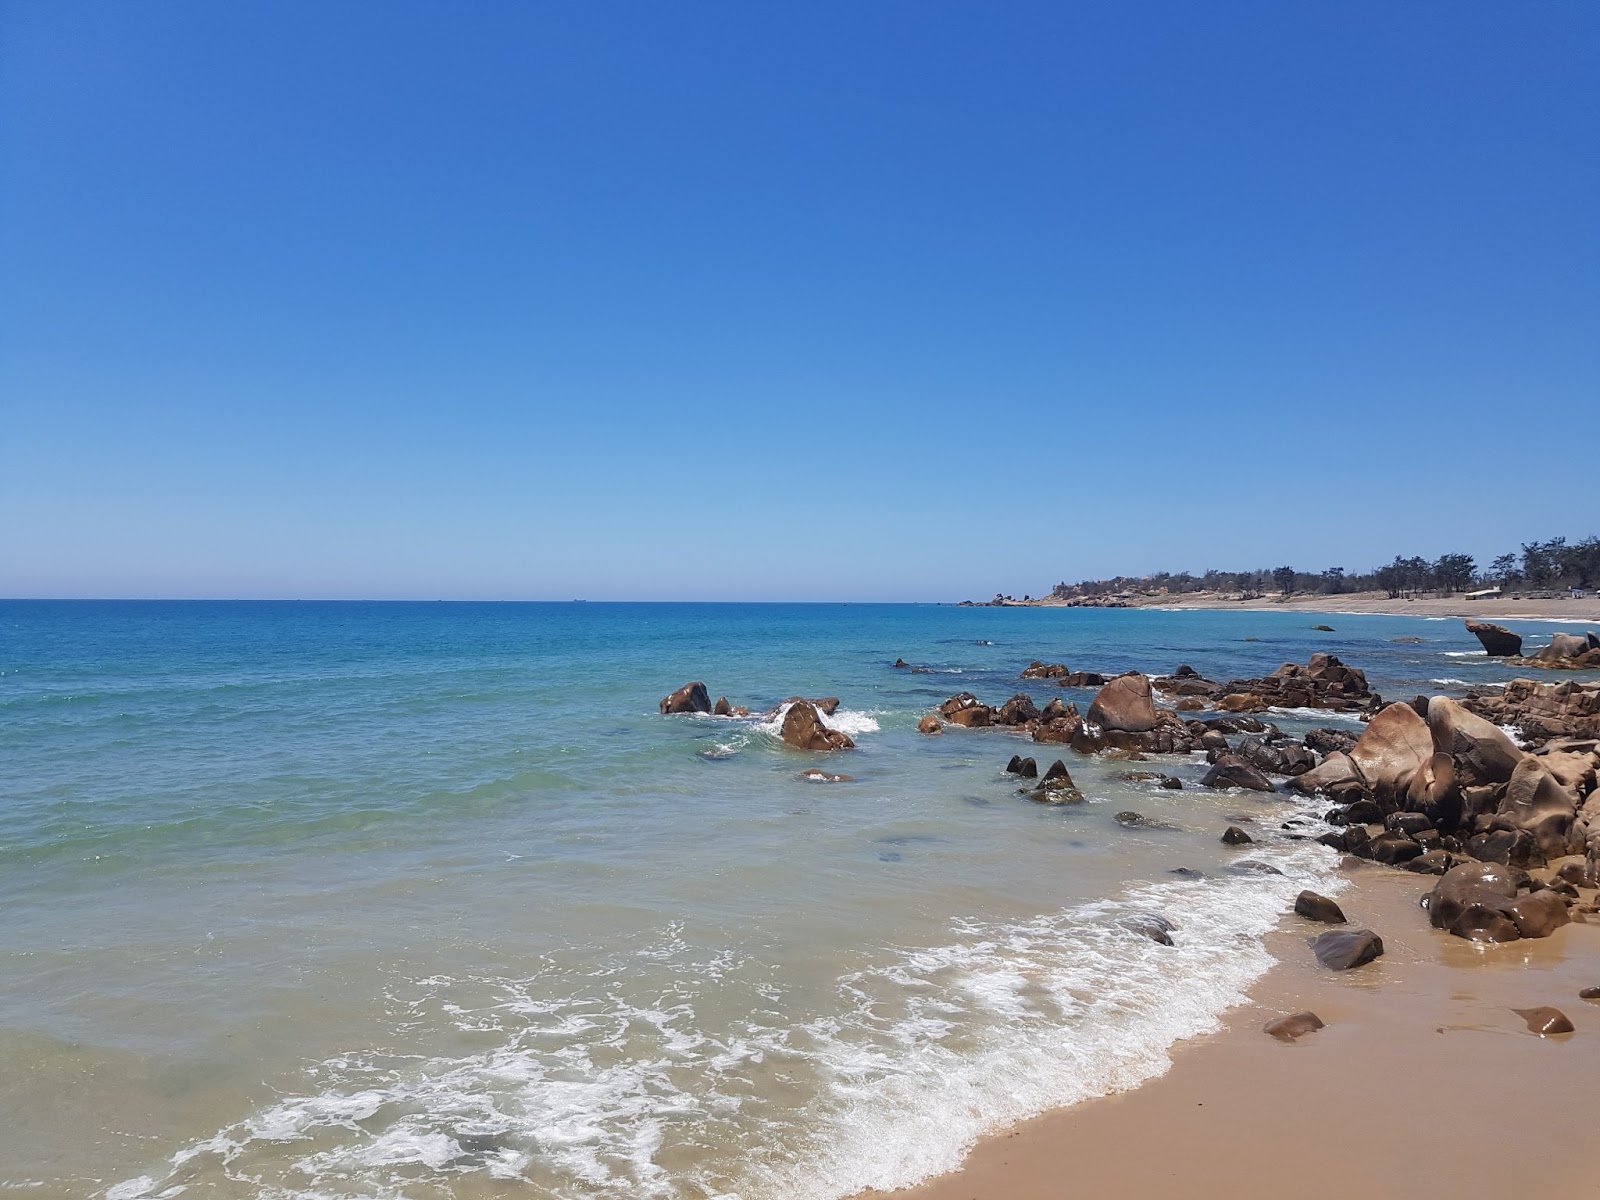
column 340, row 899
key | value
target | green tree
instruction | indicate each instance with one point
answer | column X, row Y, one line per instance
column 1453, row 572
column 1504, row 568
column 1333, row 580
column 1284, row 578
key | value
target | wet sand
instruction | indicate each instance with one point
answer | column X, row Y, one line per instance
column 1423, row 1082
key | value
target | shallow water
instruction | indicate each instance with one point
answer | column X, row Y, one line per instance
column 315, row 900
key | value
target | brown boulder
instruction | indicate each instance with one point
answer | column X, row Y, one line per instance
column 1538, row 914
column 1297, row 1025
column 690, row 698
column 804, row 730
column 1315, row 907
column 1019, row 710
column 1234, row 836
column 1337, row 772
column 1345, row 949
column 1544, row 1020
column 1393, row 746
column 1480, row 749
column 1562, row 645
column 930, row 725
column 1537, row 803
column 1231, row 771
column 722, row 708
column 1126, row 704
column 1498, row 641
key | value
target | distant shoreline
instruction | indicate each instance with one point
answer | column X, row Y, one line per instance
column 1584, row 611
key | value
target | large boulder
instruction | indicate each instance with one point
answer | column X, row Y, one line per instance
column 1394, row 745
column 1338, row 772
column 1536, row 802
column 690, row 698
column 966, row 709
column 803, row 729
column 1498, row 641
column 1019, row 710
column 1231, row 771
column 1344, row 949
column 1563, row 645
column 1126, row 704
column 1480, row 750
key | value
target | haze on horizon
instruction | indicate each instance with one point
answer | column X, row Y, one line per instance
column 726, row 301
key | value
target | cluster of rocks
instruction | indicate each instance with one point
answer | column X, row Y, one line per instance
column 802, row 728
column 1062, row 675
column 1438, row 789
column 1054, row 787
column 1565, row 651
column 1323, row 682
column 1542, row 712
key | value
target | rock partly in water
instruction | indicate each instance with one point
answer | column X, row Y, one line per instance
column 1544, row 1020
column 930, row 725
column 804, row 730
column 1234, row 836
column 1296, row 1025
column 1126, row 704
column 1498, row 641
column 1231, row 771
column 1345, row 949
column 690, row 698
column 1316, row 907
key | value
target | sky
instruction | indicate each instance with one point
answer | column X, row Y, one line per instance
column 809, row 301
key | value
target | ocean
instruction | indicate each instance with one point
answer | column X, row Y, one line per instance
column 316, row 900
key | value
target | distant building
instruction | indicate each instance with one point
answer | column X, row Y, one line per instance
column 1485, row 594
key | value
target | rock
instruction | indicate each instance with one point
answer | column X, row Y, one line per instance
column 1125, row 704
column 1171, row 783
column 1054, row 710
column 722, row 708
column 1345, row 949
column 1133, row 820
column 1544, row 1020
column 1538, row 914
column 1323, row 628
column 1042, row 670
column 1541, row 711
column 816, row 775
column 803, row 729
column 690, row 698
column 1026, row 768
column 1234, row 836
column 1389, row 751
column 1157, row 928
column 1393, row 849
column 1287, row 1029
column 1479, row 750
column 1250, row 866
column 1536, row 802
column 1562, row 645
column 930, row 725
column 1231, row 771
column 900, row 662
column 1187, row 873
column 1589, row 993
column 1337, row 772
column 1431, row 862
column 1057, row 770
column 1019, row 710
column 1315, row 907
column 1498, row 641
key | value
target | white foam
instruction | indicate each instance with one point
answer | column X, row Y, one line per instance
column 1448, row 682
column 845, row 720
column 1465, row 654
column 1317, row 714
column 579, row 1091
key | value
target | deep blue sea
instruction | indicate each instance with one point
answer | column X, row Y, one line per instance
column 423, row 900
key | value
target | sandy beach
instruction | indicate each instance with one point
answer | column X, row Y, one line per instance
column 1424, row 1081
column 1504, row 608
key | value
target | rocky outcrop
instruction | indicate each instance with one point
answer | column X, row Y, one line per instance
column 690, row 698
column 803, row 729
column 1323, row 682
column 1062, row 675
column 1391, row 748
column 1125, row 705
column 1568, row 650
column 1540, row 711
column 1498, row 641
column 966, row 710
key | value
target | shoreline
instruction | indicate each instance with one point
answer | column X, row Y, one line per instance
column 1372, row 1101
column 1354, row 604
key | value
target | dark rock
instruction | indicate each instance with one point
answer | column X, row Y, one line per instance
column 1344, row 949
column 1409, row 824
column 1250, row 866
column 1231, row 771
column 1498, row 641
column 1393, row 849
column 1544, row 1020
column 1431, row 862
column 1026, row 768
column 1187, row 873
column 1171, row 782
column 1019, row 710
column 1157, row 928
column 1589, row 993
column 1133, row 820
column 900, row 662
column 1315, row 907
column 1234, row 836
column 1323, row 628
column 1287, row 1029
column 1538, row 914
column 690, row 698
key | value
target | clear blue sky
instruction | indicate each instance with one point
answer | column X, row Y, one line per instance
column 800, row 301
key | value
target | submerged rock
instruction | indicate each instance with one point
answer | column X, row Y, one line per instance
column 1296, row 1025
column 930, row 725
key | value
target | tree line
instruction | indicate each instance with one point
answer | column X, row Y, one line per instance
column 1546, row 565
